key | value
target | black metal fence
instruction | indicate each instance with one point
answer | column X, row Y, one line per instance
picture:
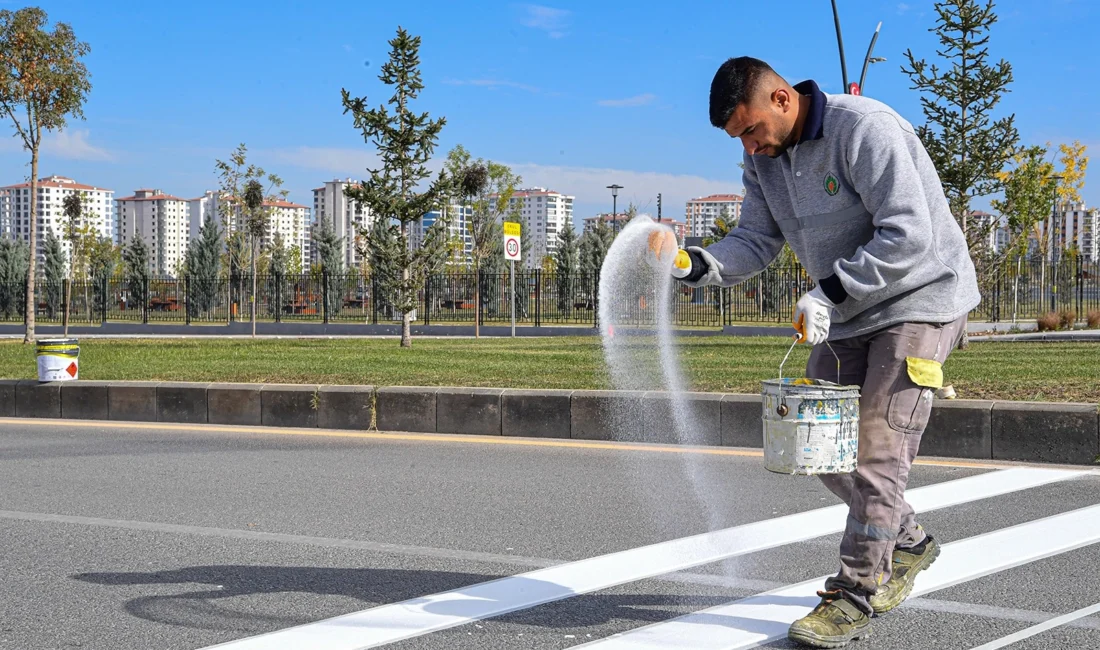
column 1017, row 290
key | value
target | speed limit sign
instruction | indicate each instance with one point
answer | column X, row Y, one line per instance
column 511, row 241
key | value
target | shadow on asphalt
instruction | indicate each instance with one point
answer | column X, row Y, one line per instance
column 202, row 610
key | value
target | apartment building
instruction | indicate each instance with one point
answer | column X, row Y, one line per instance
column 347, row 216
column 202, row 207
column 1072, row 225
column 700, row 213
column 458, row 230
column 15, row 207
column 163, row 221
column 544, row 214
column 678, row 227
column 290, row 220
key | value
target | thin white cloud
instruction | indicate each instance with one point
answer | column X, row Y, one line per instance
column 550, row 20
column 902, row 8
column 338, row 161
column 492, row 84
column 74, row 145
column 636, row 100
column 68, row 145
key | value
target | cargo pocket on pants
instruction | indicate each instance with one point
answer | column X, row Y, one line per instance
column 911, row 400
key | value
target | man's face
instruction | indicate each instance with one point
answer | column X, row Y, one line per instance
column 762, row 125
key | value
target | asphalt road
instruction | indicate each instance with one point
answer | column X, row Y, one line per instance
column 131, row 536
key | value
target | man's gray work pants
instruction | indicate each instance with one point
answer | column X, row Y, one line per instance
column 893, row 412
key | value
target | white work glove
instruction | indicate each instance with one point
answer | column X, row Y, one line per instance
column 812, row 316
column 662, row 247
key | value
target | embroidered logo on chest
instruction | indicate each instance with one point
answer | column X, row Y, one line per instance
column 832, row 185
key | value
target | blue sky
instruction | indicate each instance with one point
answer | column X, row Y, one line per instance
column 574, row 95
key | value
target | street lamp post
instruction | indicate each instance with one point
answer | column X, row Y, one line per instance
column 614, row 207
column 868, row 60
column 840, row 46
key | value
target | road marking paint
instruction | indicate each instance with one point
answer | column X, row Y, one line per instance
column 1040, row 628
column 390, row 623
column 454, row 439
column 754, row 621
column 991, row 611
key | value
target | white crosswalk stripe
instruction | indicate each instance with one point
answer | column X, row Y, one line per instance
column 750, row 622
column 1045, row 626
column 389, row 623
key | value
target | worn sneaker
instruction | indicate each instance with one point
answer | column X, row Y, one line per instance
column 907, row 564
column 832, row 624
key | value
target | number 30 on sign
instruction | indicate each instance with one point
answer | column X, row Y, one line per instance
column 511, row 241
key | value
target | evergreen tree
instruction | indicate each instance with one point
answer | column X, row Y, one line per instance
column 53, row 270
column 14, row 258
column 330, row 258
column 593, row 249
column 567, row 258
column 102, row 260
column 383, row 255
column 405, row 141
column 204, row 268
column 136, row 259
column 967, row 145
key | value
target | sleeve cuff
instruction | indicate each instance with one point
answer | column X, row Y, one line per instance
column 698, row 267
column 832, row 288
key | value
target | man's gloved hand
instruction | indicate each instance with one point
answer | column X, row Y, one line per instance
column 662, row 247
column 812, row 316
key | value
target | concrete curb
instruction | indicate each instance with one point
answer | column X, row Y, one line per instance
column 1023, row 431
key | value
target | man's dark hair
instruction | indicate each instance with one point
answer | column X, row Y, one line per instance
column 734, row 84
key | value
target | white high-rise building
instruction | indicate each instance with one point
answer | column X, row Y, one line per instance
column 544, row 214
column 700, row 213
column 458, row 230
column 202, row 207
column 1074, row 226
column 163, row 221
column 292, row 222
column 347, row 216
column 15, row 207
column 993, row 228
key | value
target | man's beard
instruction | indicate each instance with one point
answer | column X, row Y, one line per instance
column 786, row 143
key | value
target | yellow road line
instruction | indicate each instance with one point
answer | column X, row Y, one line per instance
column 448, row 437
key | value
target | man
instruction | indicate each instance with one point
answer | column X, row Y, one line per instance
column 847, row 183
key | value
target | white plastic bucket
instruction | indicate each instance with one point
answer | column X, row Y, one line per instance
column 810, row 426
column 58, row 359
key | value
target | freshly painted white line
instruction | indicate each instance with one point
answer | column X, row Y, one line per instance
column 751, row 622
column 1040, row 628
column 389, row 623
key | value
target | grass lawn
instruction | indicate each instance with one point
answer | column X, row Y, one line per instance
column 989, row 370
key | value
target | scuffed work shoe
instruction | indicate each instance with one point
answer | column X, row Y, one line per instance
column 832, row 624
column 907, row 564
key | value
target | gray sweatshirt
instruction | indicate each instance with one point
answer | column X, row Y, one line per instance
column 861, row 205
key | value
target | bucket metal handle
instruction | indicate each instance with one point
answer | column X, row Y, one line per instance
column 782, row 409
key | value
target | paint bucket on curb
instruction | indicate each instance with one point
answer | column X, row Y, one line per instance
column 811, row 426
column 58, row 359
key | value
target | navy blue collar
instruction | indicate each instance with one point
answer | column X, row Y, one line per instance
column 814, row 126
